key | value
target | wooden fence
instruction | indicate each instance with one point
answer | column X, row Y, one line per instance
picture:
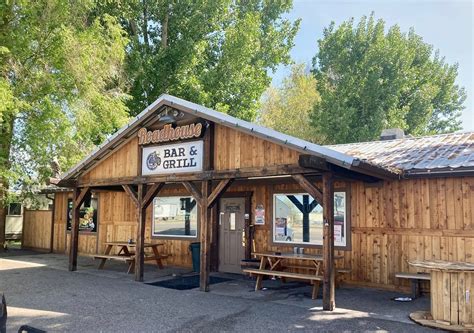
column 37, row 229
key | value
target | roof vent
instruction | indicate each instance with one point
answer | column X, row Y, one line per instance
column 392, row 133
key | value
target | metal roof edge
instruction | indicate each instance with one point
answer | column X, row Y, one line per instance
column 260, row 131
column 113, row 137
column 300, row 145
column 439, row 172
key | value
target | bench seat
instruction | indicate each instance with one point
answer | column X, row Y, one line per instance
column 152, row 257
column 416, row 276
column 339, row 271
column 313, row 268
column 261, row 272
column 114, row 257
column 415, row 279
column 284, row 274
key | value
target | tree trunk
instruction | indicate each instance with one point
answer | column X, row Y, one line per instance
column 164, row 29
column 145, row 27
column 6, row 133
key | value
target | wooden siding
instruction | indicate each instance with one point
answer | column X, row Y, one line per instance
column 60, row 215
column 37, row 229
column 117, row 221
column 407, row 220
column 121, row 163
column 234, row 150
column 87, row 240
column 392, row 222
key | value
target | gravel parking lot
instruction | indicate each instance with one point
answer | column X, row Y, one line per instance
column 41, row 292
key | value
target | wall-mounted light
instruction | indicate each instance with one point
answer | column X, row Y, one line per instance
column 170, row 116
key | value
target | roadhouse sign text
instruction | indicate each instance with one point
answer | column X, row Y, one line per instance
column 176, row 158
column 169, row 133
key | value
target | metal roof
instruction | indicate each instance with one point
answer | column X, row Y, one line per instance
column 444, row 153
column 122, row 135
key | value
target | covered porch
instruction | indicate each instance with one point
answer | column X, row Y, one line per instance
column 312, row 175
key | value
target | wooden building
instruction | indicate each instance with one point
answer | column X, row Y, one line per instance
column 180, row 173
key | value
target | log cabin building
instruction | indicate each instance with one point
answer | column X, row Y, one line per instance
column 180, row 173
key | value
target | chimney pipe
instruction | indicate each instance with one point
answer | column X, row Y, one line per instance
column 392, row 133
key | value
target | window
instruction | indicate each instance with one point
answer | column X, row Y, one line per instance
column 174, row 217
column 87, row 215
column 14, row 208
column 298, row 218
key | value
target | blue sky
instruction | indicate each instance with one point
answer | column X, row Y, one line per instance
column 447, row 25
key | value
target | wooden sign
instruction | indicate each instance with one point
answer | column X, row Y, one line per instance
column 175, row 158
column 169, row 133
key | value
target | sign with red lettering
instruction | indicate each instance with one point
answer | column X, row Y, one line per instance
column 169, row 133
column 177, row 158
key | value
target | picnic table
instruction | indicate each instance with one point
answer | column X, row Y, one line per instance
column 273, row 264
column 127, row 254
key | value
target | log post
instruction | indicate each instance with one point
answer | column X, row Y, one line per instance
column 79, row 196
column 139, row 249
column 205, row 214
column 328, row 242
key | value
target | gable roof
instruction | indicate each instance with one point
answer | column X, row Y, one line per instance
column 436, row 154
column 126, row 132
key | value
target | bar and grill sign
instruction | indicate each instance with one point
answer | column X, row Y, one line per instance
column 176, row 158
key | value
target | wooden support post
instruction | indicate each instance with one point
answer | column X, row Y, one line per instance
column 205, row 214
column 139, row 249
column 53, row 211
column 328, row 243
column 79, row 197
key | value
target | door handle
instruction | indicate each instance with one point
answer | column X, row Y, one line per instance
column 243, row 238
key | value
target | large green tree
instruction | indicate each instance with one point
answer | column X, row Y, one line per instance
column 371, row 78
column 287, row 108
column 216, row 53
column 61, row 87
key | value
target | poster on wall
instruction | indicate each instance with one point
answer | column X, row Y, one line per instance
column 87, row 216
column 175, row 158
column 338, row 234
column 280, row 228
column 259, row 215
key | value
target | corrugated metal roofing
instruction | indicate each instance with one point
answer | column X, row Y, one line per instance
column 454, row 151
column 302, row 146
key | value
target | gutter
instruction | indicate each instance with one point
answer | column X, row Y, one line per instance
column 376, row 171
column 440, row 172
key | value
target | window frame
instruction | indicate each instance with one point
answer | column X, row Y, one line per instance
column 16, row 203
column 175, row 237
column 347, row 247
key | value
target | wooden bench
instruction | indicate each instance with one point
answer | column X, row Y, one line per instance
column 415, row 279
column 130, row 260
column 339, row 271
column 314, row 279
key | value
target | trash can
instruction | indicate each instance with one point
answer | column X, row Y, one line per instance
column 195, row 249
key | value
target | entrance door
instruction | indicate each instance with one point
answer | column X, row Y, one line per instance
column 231, row 234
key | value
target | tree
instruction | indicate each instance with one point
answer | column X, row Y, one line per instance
column 287, row 109
column 370, row 79
column 61, row 88
column 216, row 53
